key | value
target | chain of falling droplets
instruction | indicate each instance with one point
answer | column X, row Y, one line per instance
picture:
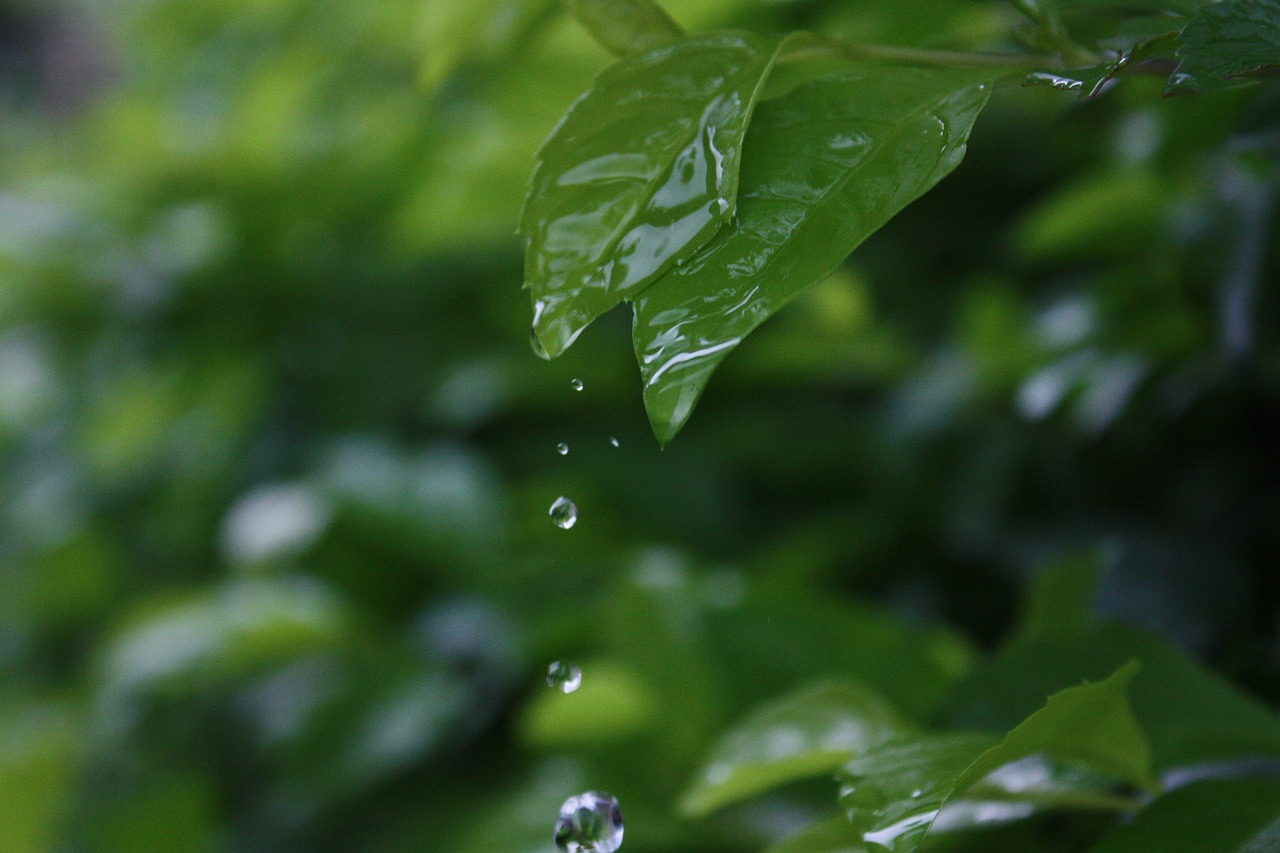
column 590, row 822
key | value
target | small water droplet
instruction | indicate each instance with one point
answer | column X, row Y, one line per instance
column 536, row 345
column 564, row 513
column 915, row 795
column 576, row 384
column 565, row 677
column 589, row 823
column 562, row 449
column 613, row 441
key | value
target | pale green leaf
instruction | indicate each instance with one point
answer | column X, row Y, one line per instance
column 810, row 732
column 894, row 794
column 626, row 26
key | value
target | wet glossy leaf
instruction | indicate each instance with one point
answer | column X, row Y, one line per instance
column 894, row 793
column 1220, row 816
column 626, row 26
column 1228, row 41
column 808, row 733
column 1188, row 714
column 826, row 165
column 639, row 174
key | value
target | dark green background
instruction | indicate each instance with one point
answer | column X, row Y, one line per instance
column 276, row 458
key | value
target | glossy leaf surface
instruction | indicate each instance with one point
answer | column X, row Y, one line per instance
column 808, row 733
column 626, row 26
column 1220, row 816
column 894, row 794
column 1227, row 41
column 1169, row 692
column 825, row 166
column 639, row 174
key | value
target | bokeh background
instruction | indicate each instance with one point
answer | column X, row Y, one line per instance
column 276, row 571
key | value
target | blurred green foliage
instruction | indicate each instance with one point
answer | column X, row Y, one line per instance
column 276, row 457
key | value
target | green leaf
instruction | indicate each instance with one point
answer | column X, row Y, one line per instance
column 626, row 26
column 1217, row 816
column 1061, row 598
column 456, row 30
column 1189, row 715
column 38, row 757
column 613, row 703
column 243, row 626
column 808, row 733
column 893, row 794
column 826, row 166
column 829, row 836
column 639, row 174
column 1227, row 41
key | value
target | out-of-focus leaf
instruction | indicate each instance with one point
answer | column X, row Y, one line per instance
column 38, row 748
column 1189, row 715
column 639, row 174
column 828, row 164
column 1218, row 816
column 1098, row 216
column 830, row 836
column 626, row 26
column 807, row 733
column 778, row 634
column 239, row 627
column 894, row 793
column 612, row 703
column 1227, row 41
column 459, row 29
column 1061, row 598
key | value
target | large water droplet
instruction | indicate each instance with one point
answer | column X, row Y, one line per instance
column 565, row 677
column 562, row 449
column 564, row 513
column 589, row 823
column 536, row 345
column 576, row 384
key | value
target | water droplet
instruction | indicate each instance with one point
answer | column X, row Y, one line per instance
column 562, row 449
column 589, row 823
column 915, row 795
column 576, row 384
column 564, row 513
column 536, row 345
column 565, row 677
column 613, row 441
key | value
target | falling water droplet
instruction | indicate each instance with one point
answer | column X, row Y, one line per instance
column 613, row 441
column 565, row 677
column 576, row 384
column 589, row 823
column 536, row 345
column 564, row 513
column 562, row 449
